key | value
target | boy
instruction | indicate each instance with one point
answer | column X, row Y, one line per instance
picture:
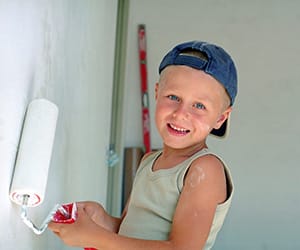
column 181, row 194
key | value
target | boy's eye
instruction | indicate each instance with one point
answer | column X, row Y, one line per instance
column 199, row 106
column 173, row 97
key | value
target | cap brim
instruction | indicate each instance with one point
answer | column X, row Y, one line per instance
column 222, row 131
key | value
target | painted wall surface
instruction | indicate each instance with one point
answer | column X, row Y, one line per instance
column 62, row 51
column 263, row 147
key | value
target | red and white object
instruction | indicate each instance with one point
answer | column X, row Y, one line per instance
column 144, row 87
column 67, row 216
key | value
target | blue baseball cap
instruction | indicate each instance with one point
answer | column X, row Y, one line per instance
column 215, row 62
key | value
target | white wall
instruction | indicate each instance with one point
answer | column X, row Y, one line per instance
column 62, row 51
column 263, row 148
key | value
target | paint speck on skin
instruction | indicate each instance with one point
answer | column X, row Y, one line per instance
column 196, row 177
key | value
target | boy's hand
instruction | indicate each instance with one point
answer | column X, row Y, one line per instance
column 77, row 233
column 93, row 210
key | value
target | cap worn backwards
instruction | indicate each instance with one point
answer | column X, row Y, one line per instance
column 214, row 61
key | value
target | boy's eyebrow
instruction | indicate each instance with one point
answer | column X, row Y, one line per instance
column 205, row 99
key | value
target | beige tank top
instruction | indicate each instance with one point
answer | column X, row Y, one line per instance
column 154, row 197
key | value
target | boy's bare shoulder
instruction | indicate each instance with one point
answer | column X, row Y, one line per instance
column 210, row 163
column 207, row 173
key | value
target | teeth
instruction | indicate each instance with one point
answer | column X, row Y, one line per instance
column 178, row 129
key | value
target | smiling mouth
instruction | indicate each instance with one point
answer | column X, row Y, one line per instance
column 178, row 130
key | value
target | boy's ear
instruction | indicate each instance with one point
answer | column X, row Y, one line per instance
column 223, row 117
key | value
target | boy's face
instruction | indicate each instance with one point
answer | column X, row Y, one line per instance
column 189, row 104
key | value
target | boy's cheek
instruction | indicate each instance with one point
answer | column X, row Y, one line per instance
column 204, row 127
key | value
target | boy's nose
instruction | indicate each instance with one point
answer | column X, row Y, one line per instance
column 181, row 112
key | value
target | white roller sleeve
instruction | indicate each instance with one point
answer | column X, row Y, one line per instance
column 34, row 155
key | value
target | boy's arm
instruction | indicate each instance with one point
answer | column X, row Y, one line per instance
column 204, row 189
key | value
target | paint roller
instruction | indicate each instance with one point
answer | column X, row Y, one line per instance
column 34, row 154
column 33, row 160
